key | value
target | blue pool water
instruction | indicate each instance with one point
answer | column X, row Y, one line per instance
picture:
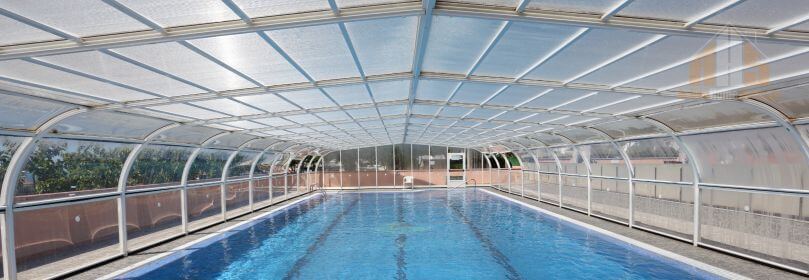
column 431, row 234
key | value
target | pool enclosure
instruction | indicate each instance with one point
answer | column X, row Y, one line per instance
column 125, row 123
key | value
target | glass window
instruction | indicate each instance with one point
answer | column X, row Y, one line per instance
column 403, row 160
column 384, row 156
column 264, row 165
column 331, row 169
column 152, row 217
column 570, row 160
column 421, row 156
column 208, row 165
column 349, row 160
column 605, row 160
column 27, row 113
column 281, row 163
column 658, row 158
column 8, row 145
column 546, row 161
column 766, row 157
column 368, row 166
column 241, row 164
column 158, row 165
column 60, row 168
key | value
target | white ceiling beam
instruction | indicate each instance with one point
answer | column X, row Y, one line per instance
column 787, row 25
column 716, row 10
column 423, row 33
column 615, row 9
column 626, row 53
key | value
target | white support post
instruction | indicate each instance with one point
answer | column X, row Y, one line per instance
column 558, row 174
column 341, row 169
column 376, row 167
column 630, row 176
column 429, row 165
column 9, row 187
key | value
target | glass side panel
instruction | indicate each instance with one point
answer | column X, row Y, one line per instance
column 60, row 168
column 665, row 207
column 331, row 168
column 438, row 165
column 204, row 206
column 368, row 167
column 421, row 160
column 208, row 165
column 546, row 161
column 574, row 192
column 237, row 197
column 350, row 168
column 8, row 145
column 101, row 123
column 604, row 159
column 241, row 164
column 658, row 158
column 158, row 165
column 264, row 165
column 27, row 113
column 610, row 198
column 55, row 239
column 151, row 218
column 759, row 157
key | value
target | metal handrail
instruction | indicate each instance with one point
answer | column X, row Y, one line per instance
column 476, row 182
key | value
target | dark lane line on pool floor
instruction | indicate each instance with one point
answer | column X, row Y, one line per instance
column 401, row 262
column 295, row 271
column 498, row 256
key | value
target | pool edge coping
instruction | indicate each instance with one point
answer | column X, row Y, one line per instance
column 642, row 245
column 206, row 237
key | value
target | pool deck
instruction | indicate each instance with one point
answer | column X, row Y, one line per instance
column 720, row 260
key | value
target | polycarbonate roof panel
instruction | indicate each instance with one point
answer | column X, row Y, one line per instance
column 726, row 60
column 516, row 95
column 232, row 140
column 680, row 10
column 668, row 51
column 579, row 6
column 761, row 13
column 436, row 90
column 274, row 121
column 556, row 97
column 581, row 135
column 304, row 118
column 455, row 112
column 105, row 66
column 188, row 134
column 390, row 90
column 592, row 48
column 244, row 124
column 628, row 128
column 181, row 61
column 222, row 127
column 320, row 50
column 475, row 92
column 712, row 115
column 79, row 18
column 384, row 46
column 188, row 111
column 260, row 8
column 181, row 12
column 392, row 110
column 363, row 113
column 481, row 113
column 267, row 102
column 334, row 116
column 521, row 46
column 38, row 74
column 420, row 109
column 595, row 101
column 110, row 124
column 638, row 104
column 27, row 113
column 250, row 54
column 349, row 94
column 513, row 116
column 309, row 99
column 456, row 42
column 228, row 106
column 793, row 101
column 15, row 32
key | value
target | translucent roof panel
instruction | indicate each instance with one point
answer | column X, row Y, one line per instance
column 455, row 43
column 592, row 48
column 228, row 106
column 793, row 101
column 250, row 54
column 274, row 121
column 516, row 95
column 188, row 111
column 16, row 32
column 80, row 18
column 178, row 60
column 521, row 46
column 267, row 102
column 349, row 94
column 309, row 99
column 108, row 67
column 628, row 128
column 188, row 134
column 761, row 157
column 245, row 124
column 325, row 55
column 384, row 46
column 110, row 124
column 304, row 118
column 475, row 92
column 233, row 140
column 712, row 115
column 260, row 8
column 47, row 76
column 558, row 97
column 27, row 113
column 578, row 6
column 637, row 105
column 761, row 13
column 436, row 90
column 390, row 90
column 183, row 12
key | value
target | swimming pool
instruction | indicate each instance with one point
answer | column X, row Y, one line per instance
column 430, row 234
